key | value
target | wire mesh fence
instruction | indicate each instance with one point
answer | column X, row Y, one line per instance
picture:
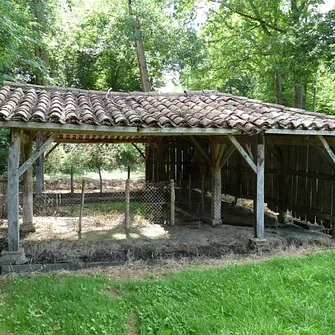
column 153, row 201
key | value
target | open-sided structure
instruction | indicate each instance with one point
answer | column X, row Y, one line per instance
column 246, row 148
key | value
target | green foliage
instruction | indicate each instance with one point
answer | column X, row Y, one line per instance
column 100, row 53
column 281, row 296
column 17, row 40
column 92, row 157
column 4, row 138
column 271, row 50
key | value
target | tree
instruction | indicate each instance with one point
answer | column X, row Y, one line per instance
column 142, row 61
column 99, row 52
column 17, row 39
column 267, row 49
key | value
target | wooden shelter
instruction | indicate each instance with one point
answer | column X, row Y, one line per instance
column 246, row 148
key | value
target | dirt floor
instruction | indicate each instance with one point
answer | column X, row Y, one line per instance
column 104, row 238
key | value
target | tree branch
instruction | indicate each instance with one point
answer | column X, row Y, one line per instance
column 263, row 24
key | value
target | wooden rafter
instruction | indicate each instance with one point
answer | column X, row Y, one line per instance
column 51, row 150
column 35, row 155
column 139, row 150
column 327, row 148
column 116, row 130
column 243, row 152
column 227, row 155
column 201, row 150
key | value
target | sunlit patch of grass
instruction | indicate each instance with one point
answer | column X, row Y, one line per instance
column 280, row 296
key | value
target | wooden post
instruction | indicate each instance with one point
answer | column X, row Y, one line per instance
column 259, row 199
column 283, row 186
column 13, row 191
column 4, row 195
column 190, row 191
column 173, row 203
column 127, row 210
column 216, row 155
column 82, row 202
column 71, row 180
column 203, row 191
column 28, row 189
column 216, row 196
column 40, row 169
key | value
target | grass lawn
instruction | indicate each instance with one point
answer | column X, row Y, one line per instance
column 280, row 296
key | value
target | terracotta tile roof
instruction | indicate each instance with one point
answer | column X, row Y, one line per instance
column 208, row 109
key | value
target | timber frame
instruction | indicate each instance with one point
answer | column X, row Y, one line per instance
column 289, row 169
column 212, row 149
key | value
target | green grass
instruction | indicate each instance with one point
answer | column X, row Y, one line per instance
column 281, row 296
column 114, row 207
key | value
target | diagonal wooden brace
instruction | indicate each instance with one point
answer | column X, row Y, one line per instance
column 23, row 168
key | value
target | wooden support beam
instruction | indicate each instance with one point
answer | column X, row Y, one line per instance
column 243, row 152
column 139, row 150
column 300, row 132
column 35, row 155
column 327, row 148
column 201, row 150
column 259, row 200
column 116, row 131
column 216, row 157
column 46, row 156
column 28, row 189
column 227, row 155
column 13, row 190
column 39, row 168
column 216, row 196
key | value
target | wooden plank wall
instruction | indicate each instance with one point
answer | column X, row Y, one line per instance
column 308, row 184
column 298, row 178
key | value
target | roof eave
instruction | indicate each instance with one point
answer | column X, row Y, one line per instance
column 116, row 130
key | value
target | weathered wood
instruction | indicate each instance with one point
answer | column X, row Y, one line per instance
column 216, row 156
column 300, row 132
column 35, row 155
column 13, row 190
column 203, row 192
column 46, row 156
column 242, row 151
column 116, row 131
column 82, row 202
column 28, row 189
column 190, row 191
column 148, row 163
column 4, row 196
column 139, row 150
column 216, row 196
column 39, row 168
column 327, row 148
column 127, row 209
column 172, row 203
column 201, row 150
column 227, row 155
column 259, row 208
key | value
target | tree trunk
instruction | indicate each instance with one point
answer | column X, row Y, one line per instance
column 314, row 97
column 298, row 95
column 142, row 62
column 279, row 88
column 40, row 51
